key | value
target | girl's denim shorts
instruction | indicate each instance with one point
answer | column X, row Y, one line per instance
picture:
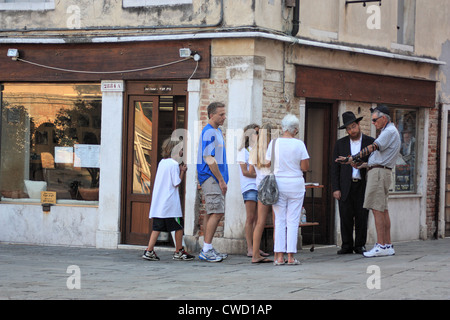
column 251, row 195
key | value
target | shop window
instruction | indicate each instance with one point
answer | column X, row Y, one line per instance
column 21, row 5
column 50, row 141
column 406, row 121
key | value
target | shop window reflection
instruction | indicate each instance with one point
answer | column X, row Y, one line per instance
column 50, row 141
column 405, row 169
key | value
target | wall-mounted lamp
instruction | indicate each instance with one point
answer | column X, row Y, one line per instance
column 196, row 57
column 13, row 54
column 186, row 53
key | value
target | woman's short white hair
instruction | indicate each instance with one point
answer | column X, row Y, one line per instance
column 290, row 123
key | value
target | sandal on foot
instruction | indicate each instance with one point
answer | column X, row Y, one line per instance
column 263, row 260
column 276, row 263
column 293, row 263
column 263, row 254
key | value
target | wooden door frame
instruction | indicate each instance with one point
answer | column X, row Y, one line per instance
column 128, row 167
column 331, row 134
column 137, row 89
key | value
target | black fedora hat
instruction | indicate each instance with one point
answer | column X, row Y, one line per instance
column 348, row 118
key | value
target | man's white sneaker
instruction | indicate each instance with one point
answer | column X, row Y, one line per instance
column 377, row 251
column 209, row 256
column 390, row 250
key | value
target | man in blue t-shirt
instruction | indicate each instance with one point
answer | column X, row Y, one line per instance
column 212, row 170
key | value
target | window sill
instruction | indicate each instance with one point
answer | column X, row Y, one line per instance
column 30, row 6
column 402, row 47
column 153, row 3
column 404, row 195
column 59, row 203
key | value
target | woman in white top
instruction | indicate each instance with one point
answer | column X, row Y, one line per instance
column 262, row 168
column 248, row 183
column 291, row 160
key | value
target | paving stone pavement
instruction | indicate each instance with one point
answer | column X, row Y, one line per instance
column 419, row 270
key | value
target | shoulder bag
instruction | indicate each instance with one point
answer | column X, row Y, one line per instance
column 268, row 188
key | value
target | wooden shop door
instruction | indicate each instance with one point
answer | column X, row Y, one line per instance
column 150, row 120
column 320, row 137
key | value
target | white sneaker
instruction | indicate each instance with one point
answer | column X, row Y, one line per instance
column 390, row 250
column 377, row 251
column 222, row 255
column 209, row 256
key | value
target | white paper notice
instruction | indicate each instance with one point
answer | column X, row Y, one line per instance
column 63, row 155
column 87, row 156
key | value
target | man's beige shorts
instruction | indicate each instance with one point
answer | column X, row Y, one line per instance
column 377, row 189
column 214, row 199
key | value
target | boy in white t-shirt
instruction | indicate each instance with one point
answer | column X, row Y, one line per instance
column 165, row 209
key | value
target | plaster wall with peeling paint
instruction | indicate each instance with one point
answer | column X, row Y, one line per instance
column 256, row 77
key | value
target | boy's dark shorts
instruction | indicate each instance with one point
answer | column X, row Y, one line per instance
column 167, row 224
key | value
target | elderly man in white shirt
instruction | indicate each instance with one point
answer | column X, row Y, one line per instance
column 383, row 155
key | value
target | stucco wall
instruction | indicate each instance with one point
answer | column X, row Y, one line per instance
column 63, row 225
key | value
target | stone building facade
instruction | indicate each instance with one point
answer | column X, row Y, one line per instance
column 263, row 59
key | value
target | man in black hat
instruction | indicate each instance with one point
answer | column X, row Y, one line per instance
column 349, row 185
column 383, row 155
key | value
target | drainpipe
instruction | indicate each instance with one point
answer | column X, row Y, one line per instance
column 437, row 200
column 295, row 19
column 1, row 112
